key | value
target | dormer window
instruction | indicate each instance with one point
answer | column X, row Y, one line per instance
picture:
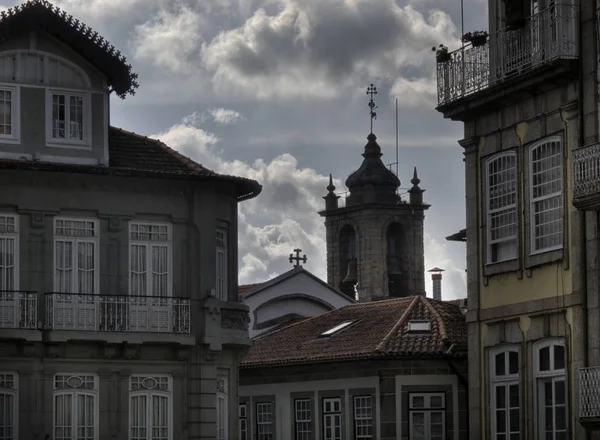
column 67, row 115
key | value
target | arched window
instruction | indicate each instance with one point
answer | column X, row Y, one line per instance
column 550, row 367
column 347, row 243
column 505, row 396
column 42, row 69
column 395, row 240
column 546, row 192
column 501, row 204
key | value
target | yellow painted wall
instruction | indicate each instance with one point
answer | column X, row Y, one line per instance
column 546, row 281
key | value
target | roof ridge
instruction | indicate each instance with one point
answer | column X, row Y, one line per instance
column 439, row 319
column 398, row 324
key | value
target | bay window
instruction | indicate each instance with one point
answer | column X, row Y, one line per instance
column 75, row 407
column 501, row 191
column 150, row 408
column 551, row 414
column 505, row 393
column 546, row 192
column 427, row 416
column 8, row 406
column 221, row 264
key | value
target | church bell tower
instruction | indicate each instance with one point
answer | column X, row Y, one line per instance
column 375, row 242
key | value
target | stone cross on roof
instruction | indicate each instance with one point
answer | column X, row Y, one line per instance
column 297, row 258
column 372, row 90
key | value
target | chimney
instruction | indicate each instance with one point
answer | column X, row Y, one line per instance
column 436, row 278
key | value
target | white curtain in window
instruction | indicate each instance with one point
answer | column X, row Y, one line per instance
column 221, row 416
column 160, row 270
column 74, row 416
column 7, row 263
column 138, row 421
column 160, row 418
column 63, row 280
column 139, row 270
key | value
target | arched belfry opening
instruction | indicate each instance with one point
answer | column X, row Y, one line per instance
column 396, row 272
column 348, row 261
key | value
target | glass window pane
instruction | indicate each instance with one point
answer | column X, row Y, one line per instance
column 500, row 396
column 500, row 421
column 500, row 367
column 559, row 389
column 514, row 396
column 544, row 359
column 559, row 357
column 58, row 116
column 513, row 362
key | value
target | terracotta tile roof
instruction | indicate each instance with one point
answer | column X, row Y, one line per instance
column 243, row 288
column 379, row 330
column 42, row 15
column 132, row 154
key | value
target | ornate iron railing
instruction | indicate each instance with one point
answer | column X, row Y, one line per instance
column 586, row 171
column 546, row 36
column 18, row 309
column 589, row 393
column 117, row 313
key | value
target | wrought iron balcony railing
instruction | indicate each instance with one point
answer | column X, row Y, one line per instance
column 18, row 310
column 545, row 37
column 586, row 173
column 589, row 395
column 117, row 313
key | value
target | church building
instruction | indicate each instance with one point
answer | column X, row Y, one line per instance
column 393, row 364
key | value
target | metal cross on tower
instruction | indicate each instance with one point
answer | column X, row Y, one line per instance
column 297, row 258
column 372, row 90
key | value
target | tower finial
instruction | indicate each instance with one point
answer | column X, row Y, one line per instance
column 415, row 180
column 330, row 187
column 372, row 90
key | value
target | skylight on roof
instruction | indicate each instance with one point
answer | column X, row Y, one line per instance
column 337, row 328
column 419, row 326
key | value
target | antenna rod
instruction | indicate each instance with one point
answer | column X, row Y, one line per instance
column 396, row 136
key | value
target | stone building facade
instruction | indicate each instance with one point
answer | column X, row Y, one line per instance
column 119, row 313
column 375, row 242
column 528, row 99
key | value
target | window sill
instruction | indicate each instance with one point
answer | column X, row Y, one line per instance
column 545, row 257
column 10, row 140
column 501, row 267
column 69, row 145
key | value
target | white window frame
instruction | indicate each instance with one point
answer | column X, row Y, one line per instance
column 243, row 433
column 363, row 416
column 553, row 375
column 51, row 141
column 9, row 387
column 303, row 419
column 75, row 241
column 264, row 409
column 222, row 407
column 505, row 381
column 15, row 237
column 490, row 213
column 75, row 391
column 15, row 109
column 149, row 386
column 332, row 418
column 149, row 243
column 222, row 273
column 427, row 410
column 558, row 195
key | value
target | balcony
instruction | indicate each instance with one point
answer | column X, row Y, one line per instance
column 589, row 397
column 586, row 177
column 546, row 37
column 18, row 313
column 143, row 318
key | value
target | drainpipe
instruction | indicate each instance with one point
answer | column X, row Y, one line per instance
column 462, row 380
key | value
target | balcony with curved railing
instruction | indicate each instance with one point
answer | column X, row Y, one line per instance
column 586, row 177
column 543, row 38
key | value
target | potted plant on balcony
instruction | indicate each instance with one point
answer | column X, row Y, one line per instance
column 476, row 38
column 441, row 54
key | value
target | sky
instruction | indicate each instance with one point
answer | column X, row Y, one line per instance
column 275, row 90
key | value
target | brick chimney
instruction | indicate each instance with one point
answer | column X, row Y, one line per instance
column 436, row 278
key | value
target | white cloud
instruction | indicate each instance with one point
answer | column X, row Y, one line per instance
column 225, row 116
column 454, row 279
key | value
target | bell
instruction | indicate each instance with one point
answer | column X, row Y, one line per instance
column 351, row 277
column 393, row 267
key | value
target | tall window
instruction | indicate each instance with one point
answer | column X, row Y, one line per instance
column 75, row 407
column 303, row 418
column 332, row 419
column 222, row 418
column 150, row 259
column 264, row 421
column 222, row 264
column 502, row 207
column 243, row 421
column 150, row 408
column 551, row 392
column 9, row 117
column 68, row 119
column 75, row 255
column 427, row 416
column 546, row 187
column 8, row 406
column 9, row 252
column 504, row 391
column 363, row 417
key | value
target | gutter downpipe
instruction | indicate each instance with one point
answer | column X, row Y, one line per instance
column 461, row 379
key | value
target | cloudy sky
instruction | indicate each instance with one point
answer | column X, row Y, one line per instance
column 275, row 90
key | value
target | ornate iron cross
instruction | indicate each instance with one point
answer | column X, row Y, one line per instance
column 372, row 90
column 297, row 258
